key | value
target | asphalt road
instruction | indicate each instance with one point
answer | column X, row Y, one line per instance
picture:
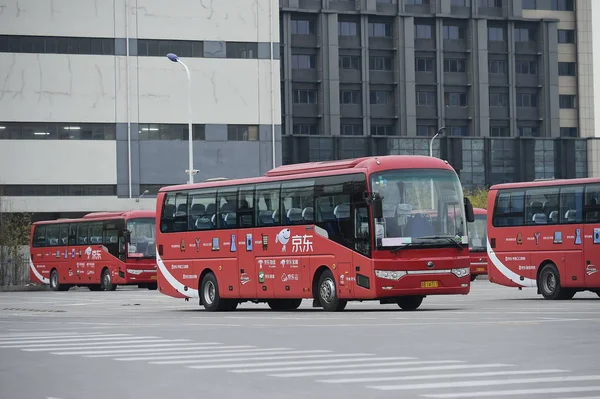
column 133, row 343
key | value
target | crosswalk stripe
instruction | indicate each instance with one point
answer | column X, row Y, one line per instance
column 481, row 383
column 94, row 341
column 194, row 354
column 80, row 350
column 381, row 361
column 181, row 348
column 286, row 363
column 90, row 345
column 395, row 370
column 57, row 336
column 436, row 376
column 532, row 391
column 296, row 355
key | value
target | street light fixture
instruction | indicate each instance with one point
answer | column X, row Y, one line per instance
column 440, row 132
column 190, row 171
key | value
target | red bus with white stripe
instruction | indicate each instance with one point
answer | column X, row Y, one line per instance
column 100, row 250
column 545, row 234
column 337, row 231
column 477, row 230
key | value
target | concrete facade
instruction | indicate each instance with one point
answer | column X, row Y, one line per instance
column 91, row 107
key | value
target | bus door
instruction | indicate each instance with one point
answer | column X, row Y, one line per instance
column 591, row 236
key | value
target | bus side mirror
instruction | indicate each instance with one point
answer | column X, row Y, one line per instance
column 377, row 207
column 469, row 210
column 127, row 236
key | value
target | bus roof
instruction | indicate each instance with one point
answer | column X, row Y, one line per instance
column 326, row 168
column 103, row 216
column 546, row 183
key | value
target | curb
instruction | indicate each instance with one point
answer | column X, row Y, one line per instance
column 24, row 288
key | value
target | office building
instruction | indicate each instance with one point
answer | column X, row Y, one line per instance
column 510, row 80
column 93, row 113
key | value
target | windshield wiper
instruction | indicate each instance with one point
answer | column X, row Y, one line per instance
column 450, row 239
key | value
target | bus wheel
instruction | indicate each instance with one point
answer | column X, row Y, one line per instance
column 94, row 287
column 284, row 304
column 473, row 277
column 152, row 287
column 328, row 293
column 54, row 282
column 410, row 302
column 209, row 296
column 549, row 283
column 106, row 283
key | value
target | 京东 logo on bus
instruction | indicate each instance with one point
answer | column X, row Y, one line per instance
column 300, row 243
column 93, row 254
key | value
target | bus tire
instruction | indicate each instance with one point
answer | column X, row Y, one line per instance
column 328, row 293
column 54, row 284
column 152, row 287
column 410, row 302
column 95, row 287
column 105, row 281
column 549, row 283
column 473, row 277
column 284, row 304
column 209, row 295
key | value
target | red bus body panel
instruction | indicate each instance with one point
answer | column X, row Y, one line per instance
column 281, row 261
column 517, row 253
column 83, row 264
column 478, row 259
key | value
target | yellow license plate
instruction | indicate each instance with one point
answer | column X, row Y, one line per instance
column 429, row 284
column 480, row 269
column 153, row 278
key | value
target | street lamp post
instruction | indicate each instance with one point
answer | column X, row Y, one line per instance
column 439, row 133
column 190, row 171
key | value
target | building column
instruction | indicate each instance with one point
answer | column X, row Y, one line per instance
column 365, row 72
column 512, row 90
column 285, row 58
column 439, row 63
column 550, row 112
column 405, row 70
column 480, row 76
column 331, row 74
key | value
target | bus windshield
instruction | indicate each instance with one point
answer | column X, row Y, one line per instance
column 143, row 241
column 477, row 233
column 420, row 207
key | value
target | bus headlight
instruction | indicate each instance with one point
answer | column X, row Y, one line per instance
column 390, row 274
column 462, row 272
column 134, row 271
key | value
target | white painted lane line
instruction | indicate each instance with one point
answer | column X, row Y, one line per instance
column 436, row 376
column 193, row 354
column 112, row 341
column 20, row 337
column 381, row 361
column 79, row 341
column 296, row 355
column 512, row 392
column 182, row 348
column 85, row 349
column 394, row 370
column 482, row 383
column 270, row 364
column 581, row 397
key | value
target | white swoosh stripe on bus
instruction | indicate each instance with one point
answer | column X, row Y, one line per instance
column 37, row 274
column 190, row 293
column 509, row 274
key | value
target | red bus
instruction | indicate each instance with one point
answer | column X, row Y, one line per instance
column 545, row 234
column 477, row 243
column 336, row 231
column 99, row 251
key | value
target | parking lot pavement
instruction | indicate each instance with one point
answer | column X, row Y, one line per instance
column 494, row 342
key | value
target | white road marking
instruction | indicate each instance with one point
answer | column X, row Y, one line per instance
column 512, row 392
column 395, row 370
column 85, row 349
column 124, row 341
column 183, row 348
column 106, row 337
column 193, row 354
column 482, row 383
column 296, row 354
column 326, row 361
column 436, row 376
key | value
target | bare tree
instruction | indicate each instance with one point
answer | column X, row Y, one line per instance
column 14, row 234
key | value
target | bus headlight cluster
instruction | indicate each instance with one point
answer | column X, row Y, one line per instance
column 462, row 272
column 390, row 274
column 133, row 271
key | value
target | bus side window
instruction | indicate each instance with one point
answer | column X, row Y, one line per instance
column 267, row 205
column 296, row 196
column 227, row 204
column 592, row 204
column 509, row 209
column 64, row 234
column 73, row 234
column 571, row 201
column 82, row 234
column 202, row 209
column 39, row 236
column 52, row 236
column 245, row 209
column 180, row 219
